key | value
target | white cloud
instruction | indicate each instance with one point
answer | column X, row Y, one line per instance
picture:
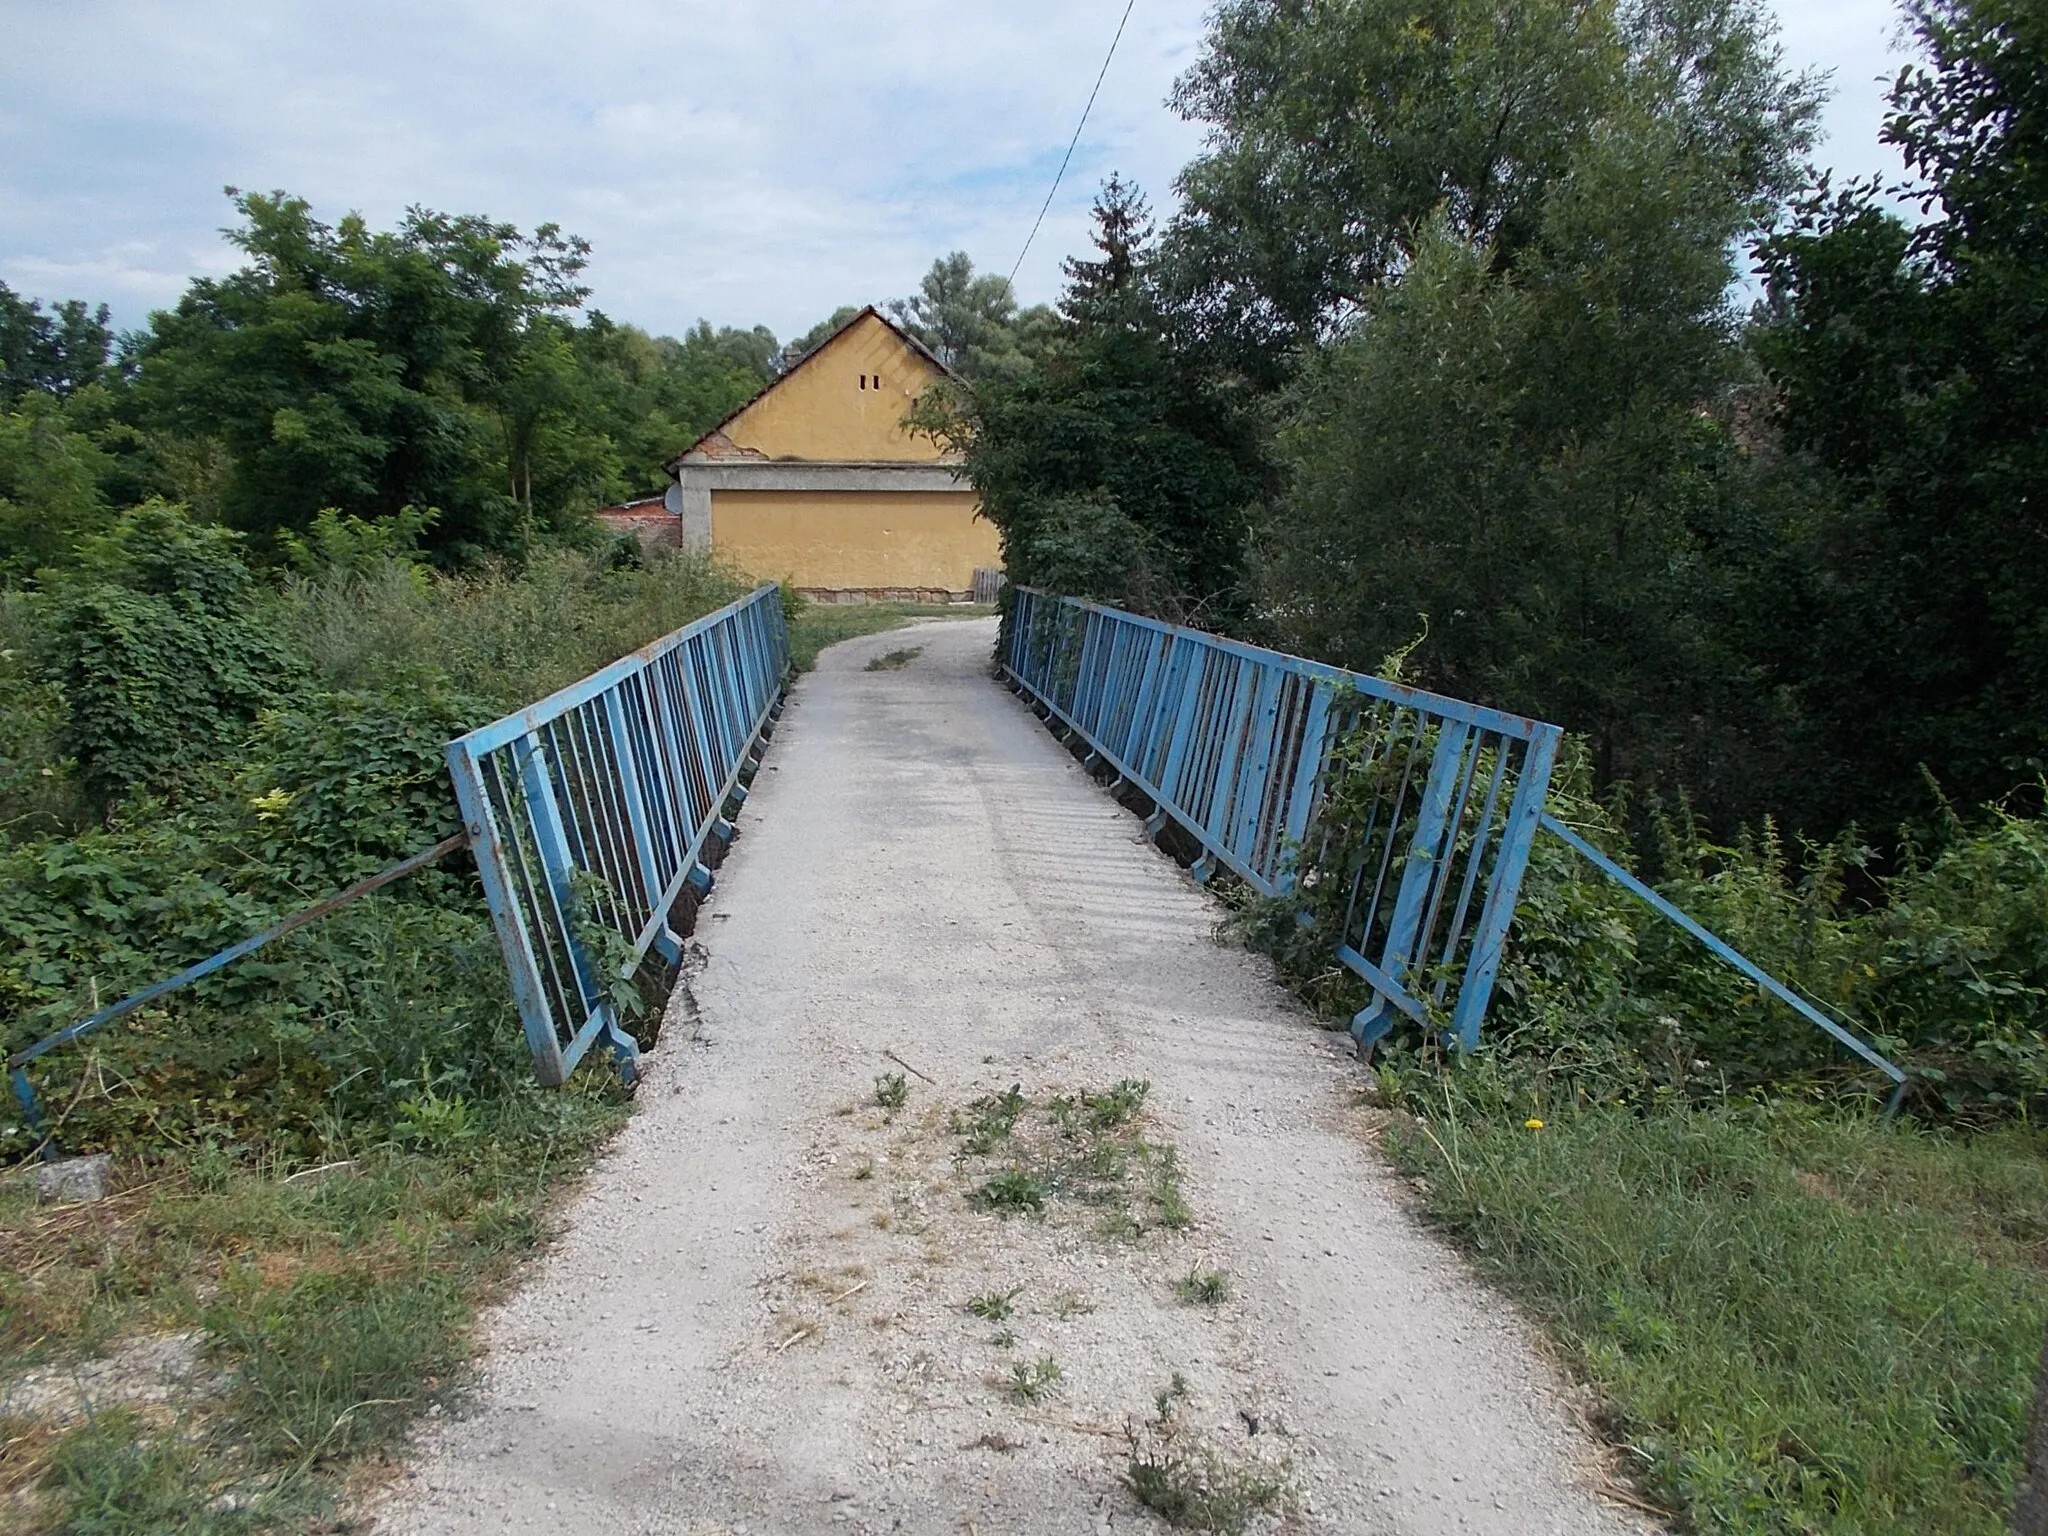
column 757, row 162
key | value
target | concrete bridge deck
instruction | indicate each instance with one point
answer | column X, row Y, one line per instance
column 756, row 1319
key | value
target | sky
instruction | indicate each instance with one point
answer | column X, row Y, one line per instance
column 759, row 162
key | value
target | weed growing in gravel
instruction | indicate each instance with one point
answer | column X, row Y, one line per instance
column 1107, row 1111
column 892, row 1089
column 1068, row 1304
column 1083, row 1147
column 993, row 1306
column 1035, row 1382
column 990, row 1119
column 1174, row 1211
column 1206, row 1290
column 895, row 661
column 864, row 1169
column 1188, row 1483
column 1014, row 1189
column 1103, row 1111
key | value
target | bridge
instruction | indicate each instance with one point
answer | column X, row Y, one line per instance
column 973, row 1185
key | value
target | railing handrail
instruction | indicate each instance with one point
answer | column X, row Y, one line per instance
column 486, row 738
column 1119, row 688
column 592, row 809
column 1521, row 727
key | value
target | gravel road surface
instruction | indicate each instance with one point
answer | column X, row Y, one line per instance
column 756, row 1319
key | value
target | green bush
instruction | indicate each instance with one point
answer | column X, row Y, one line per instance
column 248, row 751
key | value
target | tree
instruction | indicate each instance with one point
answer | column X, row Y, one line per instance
column 971, row 323
column 1114, row 468
column 1521, row 432
column 371, row 371
column 655, row 395
column 1099, row 291
column 1912, row 367
column 58, row 353
column 1339, row 132
column 52, row 478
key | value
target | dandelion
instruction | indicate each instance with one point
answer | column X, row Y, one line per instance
column 1532, row 1125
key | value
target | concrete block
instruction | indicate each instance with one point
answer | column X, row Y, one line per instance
column 74, row 1178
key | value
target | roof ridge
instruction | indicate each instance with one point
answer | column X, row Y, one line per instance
column 794, row 368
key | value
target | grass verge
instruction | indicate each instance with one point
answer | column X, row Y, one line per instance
column 1799, row 1320
column 821, row 624
column 322, row 1317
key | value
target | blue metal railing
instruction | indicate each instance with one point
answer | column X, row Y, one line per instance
column 1428, row 804
column 590, row 812
column 1439, row 799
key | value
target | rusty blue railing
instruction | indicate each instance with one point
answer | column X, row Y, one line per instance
column 1426, row 806
column 1234, row 744
column 590, row 812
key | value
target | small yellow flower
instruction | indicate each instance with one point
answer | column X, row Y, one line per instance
column 269, row 807
column 1532, row 1125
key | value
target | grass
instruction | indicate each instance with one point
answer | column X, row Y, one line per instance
column 821, row 624
column 1206, row 1289
column 895, row 661
column 1800, row 1321
column 505, row 637
column 331, row 1314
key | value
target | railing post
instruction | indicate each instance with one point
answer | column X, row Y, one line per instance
column 1312, row 754
column 486, row 842
column 1532, row 790
column 552, row 842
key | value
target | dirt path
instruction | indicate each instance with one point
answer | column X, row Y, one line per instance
column 757, row 1321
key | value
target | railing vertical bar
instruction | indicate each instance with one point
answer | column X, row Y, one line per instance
column 1504, row 884
column 1482, row 844
column 617, row 777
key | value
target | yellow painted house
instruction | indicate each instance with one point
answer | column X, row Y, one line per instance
column 815, row 480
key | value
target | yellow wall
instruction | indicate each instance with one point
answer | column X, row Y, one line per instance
column 848, row 539
column 820, row 411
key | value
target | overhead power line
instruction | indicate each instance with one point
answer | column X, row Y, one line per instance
column 1069, row 155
